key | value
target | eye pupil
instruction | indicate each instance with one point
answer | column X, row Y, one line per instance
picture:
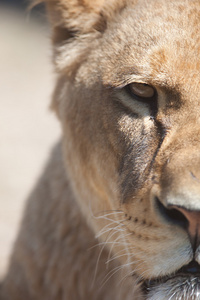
column 142, row 90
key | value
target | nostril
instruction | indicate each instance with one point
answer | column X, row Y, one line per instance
column 172, row 215
column 193, row 268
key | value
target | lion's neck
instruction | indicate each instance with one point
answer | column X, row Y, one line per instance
column 56, row 255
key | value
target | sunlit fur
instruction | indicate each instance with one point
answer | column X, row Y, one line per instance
column 177, row 289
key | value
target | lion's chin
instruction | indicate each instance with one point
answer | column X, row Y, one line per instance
column 182, row 285
column 178, row 287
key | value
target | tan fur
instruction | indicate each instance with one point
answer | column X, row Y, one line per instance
column 91, row 228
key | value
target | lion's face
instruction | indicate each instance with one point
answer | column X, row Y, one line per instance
column 128, row 97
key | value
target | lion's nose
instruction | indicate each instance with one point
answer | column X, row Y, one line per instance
column 193, row 224
column 177, row 191
column 187, row 219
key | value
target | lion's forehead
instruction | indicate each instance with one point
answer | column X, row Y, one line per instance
column 152, row 43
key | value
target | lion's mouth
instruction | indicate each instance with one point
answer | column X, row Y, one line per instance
column 185, row 279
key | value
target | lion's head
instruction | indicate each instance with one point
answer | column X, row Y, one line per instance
column 128, row 98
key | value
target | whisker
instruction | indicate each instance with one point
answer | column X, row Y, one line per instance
column 114, row 271
column 111, row 212
column 115, row 257
column 111, row 234
column 103, row 230
column 121, row 236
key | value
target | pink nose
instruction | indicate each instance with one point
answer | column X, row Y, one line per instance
column 193, row 226
column 189, row 220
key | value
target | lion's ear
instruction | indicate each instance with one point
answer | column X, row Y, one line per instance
column 74, row 17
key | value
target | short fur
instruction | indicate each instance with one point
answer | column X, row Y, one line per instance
column 92, row 228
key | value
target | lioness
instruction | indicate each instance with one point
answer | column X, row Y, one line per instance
column 116, row 214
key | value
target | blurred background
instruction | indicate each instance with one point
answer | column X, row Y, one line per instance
column 28, row 129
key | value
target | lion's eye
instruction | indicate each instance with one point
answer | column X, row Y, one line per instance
column 141, row 91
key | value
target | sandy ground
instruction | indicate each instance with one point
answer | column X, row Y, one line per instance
column 27, row 128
